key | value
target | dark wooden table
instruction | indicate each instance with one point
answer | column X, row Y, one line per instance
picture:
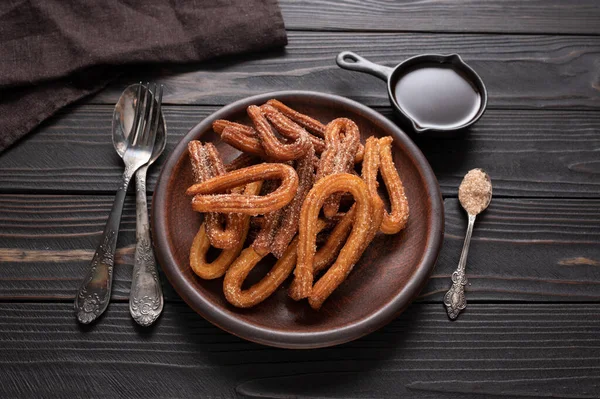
column 532, row 327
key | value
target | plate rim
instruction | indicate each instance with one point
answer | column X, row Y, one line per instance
column 299, row 340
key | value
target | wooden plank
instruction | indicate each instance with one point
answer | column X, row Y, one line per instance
column 542, row 153
column 508, row 16
column 546, row 154
column 522, row 249
column 74, row 152
column 520, row 71
column 492, row 350
column 47, row 243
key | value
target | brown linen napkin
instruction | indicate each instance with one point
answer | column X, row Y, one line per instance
column 54, row 52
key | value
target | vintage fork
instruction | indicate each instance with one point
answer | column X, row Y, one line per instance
column 146, row 298
column 93, row 295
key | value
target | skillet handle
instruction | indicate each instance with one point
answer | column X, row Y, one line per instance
column 354, row 62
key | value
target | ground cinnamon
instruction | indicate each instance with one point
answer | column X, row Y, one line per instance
column 475, row 191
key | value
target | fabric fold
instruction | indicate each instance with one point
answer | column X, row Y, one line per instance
column 55, row 52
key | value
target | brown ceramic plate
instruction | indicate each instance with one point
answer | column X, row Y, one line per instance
column 382, row 284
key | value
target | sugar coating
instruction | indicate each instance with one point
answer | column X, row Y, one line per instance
column 291, row 213
column 312, row 125
column 475, row 191
column 281, row 134
column 223, row 231
column 273, row 147
column 342, row 139
column 394, row 221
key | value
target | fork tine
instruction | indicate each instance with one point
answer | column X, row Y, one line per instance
column 156, row 121
column 137, row 112
column 145, row 139
column 143, row 120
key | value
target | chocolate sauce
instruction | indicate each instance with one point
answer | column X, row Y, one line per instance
column 435, row 95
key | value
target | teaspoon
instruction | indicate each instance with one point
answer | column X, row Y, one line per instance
column 474, row 194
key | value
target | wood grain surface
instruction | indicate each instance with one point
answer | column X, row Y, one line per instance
column 508, row 16
column 531, row 328
column 542, row 153
column 46, row 243
column 519, row 71
column 507, row 350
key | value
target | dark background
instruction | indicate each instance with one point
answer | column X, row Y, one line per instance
column 532, row 325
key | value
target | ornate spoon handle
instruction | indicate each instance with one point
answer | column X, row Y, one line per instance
column 455, row 299
column 146, row 298
column 94, row 293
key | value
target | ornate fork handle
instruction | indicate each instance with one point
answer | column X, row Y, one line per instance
column 455, row 299
column 146, row 298
column 93, row 295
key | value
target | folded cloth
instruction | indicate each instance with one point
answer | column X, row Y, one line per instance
column 55, row 52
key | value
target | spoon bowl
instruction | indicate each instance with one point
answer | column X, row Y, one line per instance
column 123, row 119
column 475, row 199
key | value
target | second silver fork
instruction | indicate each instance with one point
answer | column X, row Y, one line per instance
column 146, row 297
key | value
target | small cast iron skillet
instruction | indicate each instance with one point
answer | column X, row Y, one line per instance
column 354, row 62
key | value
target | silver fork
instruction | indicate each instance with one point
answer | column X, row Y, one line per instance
column 146, row 299
column 93, row 295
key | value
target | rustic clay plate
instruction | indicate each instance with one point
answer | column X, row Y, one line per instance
column 389, row 275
